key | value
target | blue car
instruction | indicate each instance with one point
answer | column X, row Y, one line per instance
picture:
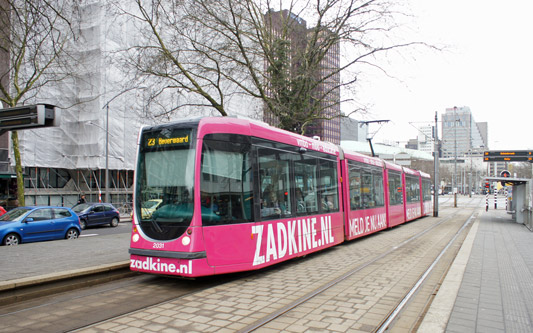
column 33, row 224
column 96, row 214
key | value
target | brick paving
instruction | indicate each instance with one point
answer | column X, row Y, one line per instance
column 358, row 303
column 496, row 293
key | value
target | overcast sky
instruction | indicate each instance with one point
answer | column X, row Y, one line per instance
column 487, row 66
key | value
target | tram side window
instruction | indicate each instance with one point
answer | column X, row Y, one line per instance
column 329, row 192
column 226, row 183
column 366, row 187
column 412, row 188
column 426, row 189
column 395, row 189
column 367, row 190
column 379, row 192
column 306, row 178
column 356, row 200
column 274, row 181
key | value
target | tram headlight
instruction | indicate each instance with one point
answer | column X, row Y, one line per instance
column 186, row 240
column 135, row 237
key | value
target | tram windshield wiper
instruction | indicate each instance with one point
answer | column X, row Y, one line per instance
column 156, row 225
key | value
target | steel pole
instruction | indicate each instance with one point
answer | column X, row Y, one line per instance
column 436, row 164
column 107, row 155
column 454, row 189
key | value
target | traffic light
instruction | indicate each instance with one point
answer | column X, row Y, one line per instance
column 487, row 185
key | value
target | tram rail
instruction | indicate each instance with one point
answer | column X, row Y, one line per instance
column 386, row 322
column 176, row 295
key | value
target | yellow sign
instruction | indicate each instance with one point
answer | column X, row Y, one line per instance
column 167, row 141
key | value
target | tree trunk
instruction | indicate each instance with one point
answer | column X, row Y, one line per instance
column 18, row 168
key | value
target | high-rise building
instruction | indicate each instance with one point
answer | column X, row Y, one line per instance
column 426, row 141
column 328, row 128
column 353, row 130
column 461, row 135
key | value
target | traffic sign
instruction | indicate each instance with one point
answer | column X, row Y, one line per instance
column 508, row 156
column 28, row 117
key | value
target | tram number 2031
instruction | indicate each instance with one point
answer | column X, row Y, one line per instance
column 159, row 245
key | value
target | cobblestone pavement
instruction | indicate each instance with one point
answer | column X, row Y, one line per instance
column 496, row 293
column 358, row 303
column 491, row 292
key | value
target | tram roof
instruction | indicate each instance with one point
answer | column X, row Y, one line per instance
column 364, row 148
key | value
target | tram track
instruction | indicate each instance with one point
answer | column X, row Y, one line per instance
column 127, row 299
column 84, row 304
column 387, row 321
column 334, row 282
column 40, row 287
column 376, row 274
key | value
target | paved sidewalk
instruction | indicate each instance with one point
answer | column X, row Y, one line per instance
column 489, row 288
column 44, row 261
column 495, row 293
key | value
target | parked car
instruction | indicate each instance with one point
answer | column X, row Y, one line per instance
column 91, row 214
column 33, row 224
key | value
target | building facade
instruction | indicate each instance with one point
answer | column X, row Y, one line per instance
column 462, row 146
column 461, row 134
column 327, row 93
column 353, row 130
column 100, row 121
column 426, row 140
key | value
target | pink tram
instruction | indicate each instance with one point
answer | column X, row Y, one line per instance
column 221, row 195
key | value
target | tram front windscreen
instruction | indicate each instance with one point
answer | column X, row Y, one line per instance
column 165, row 178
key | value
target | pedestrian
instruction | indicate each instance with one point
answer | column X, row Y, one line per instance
column 82, row 199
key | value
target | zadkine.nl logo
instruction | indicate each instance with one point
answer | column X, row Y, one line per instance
column 155, row 265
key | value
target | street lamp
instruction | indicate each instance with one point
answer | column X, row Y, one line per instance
column 454, row 181
column 106, row 106
column 107, row 154
column 106, row 129
column 436, row 171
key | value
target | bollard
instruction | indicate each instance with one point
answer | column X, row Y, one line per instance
column 506, row 200
column 487, row 202
column 495, row 199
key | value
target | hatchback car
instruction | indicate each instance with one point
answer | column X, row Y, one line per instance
column 33, row 224
column 97, row 214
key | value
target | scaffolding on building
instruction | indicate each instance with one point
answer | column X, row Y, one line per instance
column 61, row 187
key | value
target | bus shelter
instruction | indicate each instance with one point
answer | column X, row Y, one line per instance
column 520, row 199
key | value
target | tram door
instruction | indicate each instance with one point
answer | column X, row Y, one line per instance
column 226, row 192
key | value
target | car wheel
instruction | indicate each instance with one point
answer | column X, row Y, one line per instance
column 72, row 233
column 114, row 222
column 83, row 224
column 11, row 239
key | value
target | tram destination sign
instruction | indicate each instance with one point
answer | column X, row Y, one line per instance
column 508, row 156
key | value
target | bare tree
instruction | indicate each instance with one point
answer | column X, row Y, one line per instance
column 33, row 36
column 521, row 169
column 262, row 49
